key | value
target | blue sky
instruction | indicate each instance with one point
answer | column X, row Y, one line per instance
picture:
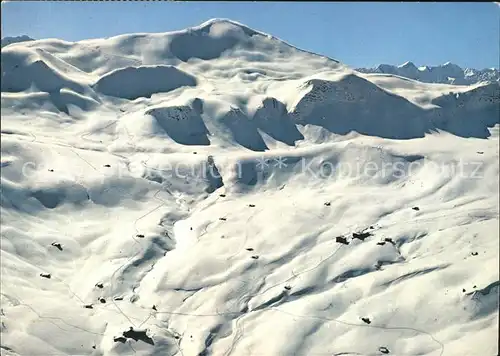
column 358, row 34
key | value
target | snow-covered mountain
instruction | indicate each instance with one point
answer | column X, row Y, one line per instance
column 217, row 191
column 9, row 40
column 447, row 73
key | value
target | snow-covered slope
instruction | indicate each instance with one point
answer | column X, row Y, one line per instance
column 447, row 73
column 222, row 192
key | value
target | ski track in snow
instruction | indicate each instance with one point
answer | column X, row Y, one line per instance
column 280, row 273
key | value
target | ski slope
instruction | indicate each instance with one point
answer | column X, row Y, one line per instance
column 217, row 191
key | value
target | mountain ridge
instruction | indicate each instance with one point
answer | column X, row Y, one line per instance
column 447, row 73
column 15, row 39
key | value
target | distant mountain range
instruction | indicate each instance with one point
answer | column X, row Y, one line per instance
column 447, row 73
column 9, row 40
